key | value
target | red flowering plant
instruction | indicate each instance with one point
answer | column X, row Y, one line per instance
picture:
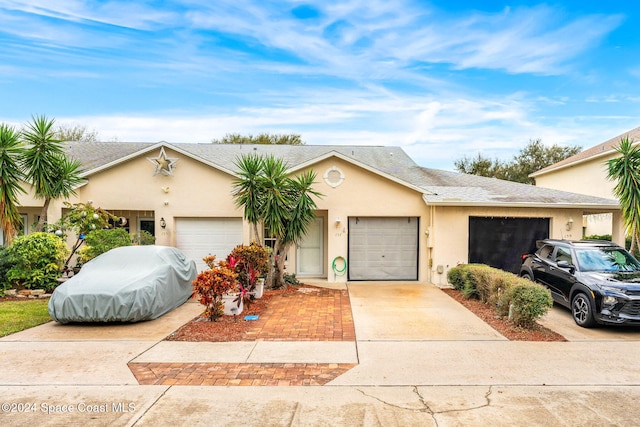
column 210, row 285
column 249, row 263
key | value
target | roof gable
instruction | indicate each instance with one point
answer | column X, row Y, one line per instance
column 595, row 152
column 389, row 162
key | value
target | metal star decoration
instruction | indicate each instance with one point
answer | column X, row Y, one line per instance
column 164, row 164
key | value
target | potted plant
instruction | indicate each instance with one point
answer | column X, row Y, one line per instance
column 215, row 289
column 250, row 262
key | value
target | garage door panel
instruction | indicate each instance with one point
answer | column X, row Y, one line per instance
column 199, row 237
column 383, row 248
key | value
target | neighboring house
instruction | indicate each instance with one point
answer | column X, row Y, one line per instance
column 387, row 217
column 586, row 173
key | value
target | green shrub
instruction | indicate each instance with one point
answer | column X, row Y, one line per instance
column 37, row 260
column 599, row 237
column 455, row 277
column 476, row 281
column 502, row 290
column 143, row 238
column 528, row 302
column 5, row 266
column 291, row 280
column 470, row 288
column 503, row 282
column 98, row 242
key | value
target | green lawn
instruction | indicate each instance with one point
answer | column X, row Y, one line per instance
column 16, row 316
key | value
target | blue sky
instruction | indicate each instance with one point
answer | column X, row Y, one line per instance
column 441, row 79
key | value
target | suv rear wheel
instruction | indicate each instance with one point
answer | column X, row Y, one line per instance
column 582, row 310
column 527, row 276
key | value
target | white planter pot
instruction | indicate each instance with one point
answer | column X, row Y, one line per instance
column 259, row 290
column 231, row 306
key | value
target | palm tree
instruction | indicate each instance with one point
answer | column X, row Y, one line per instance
column 10, row 177
column 46, row 166
column 245, row 190
column 285, row 205
column 301, row 213
column 626, row 171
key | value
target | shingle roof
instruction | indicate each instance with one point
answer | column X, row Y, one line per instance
column 457, row 189
column 95, row 154
column 437, row 186
column 598, row 150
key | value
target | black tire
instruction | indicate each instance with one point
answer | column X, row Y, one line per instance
column 582, row 310
column 527, row 276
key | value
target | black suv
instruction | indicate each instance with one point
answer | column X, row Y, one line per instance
column 598, row 280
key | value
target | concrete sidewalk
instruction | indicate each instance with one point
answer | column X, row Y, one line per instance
column 420, row 359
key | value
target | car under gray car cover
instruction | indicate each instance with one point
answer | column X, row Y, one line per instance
column 126, row 284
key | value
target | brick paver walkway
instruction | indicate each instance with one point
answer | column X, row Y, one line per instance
column 238, row 374
column 311, row 314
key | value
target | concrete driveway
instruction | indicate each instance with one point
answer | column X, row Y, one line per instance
column 422, row 359
column 559, row 319
column 405, row 311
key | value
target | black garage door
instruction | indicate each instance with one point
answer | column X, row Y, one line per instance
column 500, row 242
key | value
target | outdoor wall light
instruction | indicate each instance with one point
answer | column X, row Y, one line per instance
column 165, row 189
column 163, row 223
column 338, row 221
column 569, row 224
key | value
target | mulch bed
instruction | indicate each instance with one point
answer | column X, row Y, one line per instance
column 504, row 326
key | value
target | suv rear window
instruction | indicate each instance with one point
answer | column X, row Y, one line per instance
column 545, row 252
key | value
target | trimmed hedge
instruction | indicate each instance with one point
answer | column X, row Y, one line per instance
column 521, row 300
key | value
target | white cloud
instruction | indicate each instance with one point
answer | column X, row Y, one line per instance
column 360, row 72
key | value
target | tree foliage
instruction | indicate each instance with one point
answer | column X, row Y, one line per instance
column 263, row 138
column 51, row 173
column 75, row 133
column 533, row 157
column 103, row 240
column 80, row 219
column 10, row 181
column 285, row 205
column 625, row 170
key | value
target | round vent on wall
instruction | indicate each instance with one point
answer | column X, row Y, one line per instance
column 333, row 176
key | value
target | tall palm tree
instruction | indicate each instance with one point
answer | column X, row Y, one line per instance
column 301, row 213
column 46, row 166
column 10, row 177
column 626, row 171
column 285, row 205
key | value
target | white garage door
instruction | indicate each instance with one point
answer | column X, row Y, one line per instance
column 383, row 248
column 199, row 237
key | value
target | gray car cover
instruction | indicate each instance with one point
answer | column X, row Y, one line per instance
column 126, row 284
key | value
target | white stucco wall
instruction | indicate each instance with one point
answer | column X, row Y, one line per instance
column 588, row 177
